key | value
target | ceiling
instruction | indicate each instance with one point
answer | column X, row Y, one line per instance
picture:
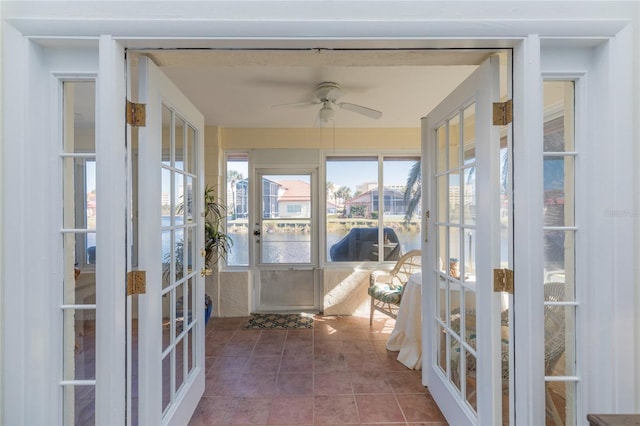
column 238, row 88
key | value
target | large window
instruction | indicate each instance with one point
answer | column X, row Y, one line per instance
column 237, row 198
column 362, row 217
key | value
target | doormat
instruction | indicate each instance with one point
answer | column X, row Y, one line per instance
column 281, row 321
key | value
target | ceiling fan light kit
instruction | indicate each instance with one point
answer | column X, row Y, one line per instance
column 327, row 93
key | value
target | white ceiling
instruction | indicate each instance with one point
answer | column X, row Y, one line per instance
column 238, row 88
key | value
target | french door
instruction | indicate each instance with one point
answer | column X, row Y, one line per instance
column 464, row 367
column 170, row 338
column 285, row 240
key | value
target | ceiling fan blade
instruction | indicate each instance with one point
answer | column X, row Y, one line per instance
column 296, row 104
column 372, row 113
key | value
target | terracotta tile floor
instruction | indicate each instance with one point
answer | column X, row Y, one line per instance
column 337, row 373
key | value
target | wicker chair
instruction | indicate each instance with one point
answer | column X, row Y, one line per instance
column 554, row 340
column 554, row 330
column 386, row 287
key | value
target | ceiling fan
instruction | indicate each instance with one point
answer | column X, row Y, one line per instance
column 327, row 93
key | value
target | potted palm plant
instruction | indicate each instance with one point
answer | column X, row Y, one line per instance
column 216, row 242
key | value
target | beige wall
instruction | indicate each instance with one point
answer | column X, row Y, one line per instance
column 345, row 290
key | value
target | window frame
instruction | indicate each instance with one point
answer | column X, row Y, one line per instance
column 347, row 155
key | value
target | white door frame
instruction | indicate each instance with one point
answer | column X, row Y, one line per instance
column 22, row 160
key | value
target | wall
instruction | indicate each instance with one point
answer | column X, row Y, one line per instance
column 345, row 289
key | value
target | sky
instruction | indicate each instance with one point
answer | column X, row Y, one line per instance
column 352, row 173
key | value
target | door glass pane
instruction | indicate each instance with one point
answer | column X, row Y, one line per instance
column 286, row 219
column 469, row 198
column 469, row 134
column 442, row 204
column 454, row 142
column 454, row 197
column 190, row 150
column 468, row 266
column 179, row 363
column 166, row 381
column 78, row 242
column 441, row 149
column 167, row 323
column 178, row 198
column 178, row 254
column 180, row 136
column 167, row 134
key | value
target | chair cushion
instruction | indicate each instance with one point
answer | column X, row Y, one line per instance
column 388, row 293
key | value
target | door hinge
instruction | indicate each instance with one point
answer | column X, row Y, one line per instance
column 502, row 113
column 136, row 282
column 136, row 114
column 503, row 280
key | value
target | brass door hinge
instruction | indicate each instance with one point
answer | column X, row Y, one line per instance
column 502, row 113
column 503, row 280
column 136, row 114
column 136, row 282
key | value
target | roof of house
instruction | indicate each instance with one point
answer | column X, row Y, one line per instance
column 295, row 190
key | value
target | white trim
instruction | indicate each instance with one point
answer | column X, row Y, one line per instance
column 527, row 199
column 111, row 203
column 14, row 228
column 339, row 26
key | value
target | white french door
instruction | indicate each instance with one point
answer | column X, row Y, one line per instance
column 463, row 364
column 170, row 238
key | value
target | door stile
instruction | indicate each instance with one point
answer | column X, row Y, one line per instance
column 149, row 359
column 488, row 255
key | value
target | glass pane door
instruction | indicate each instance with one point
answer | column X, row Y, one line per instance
column 171, row 230
column 284, row 238
column 464, row 353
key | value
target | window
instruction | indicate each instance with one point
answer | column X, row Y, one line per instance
column 78, row 239
column 294, row 209
column 237, row 197
column 361, row 218
column 560, row 232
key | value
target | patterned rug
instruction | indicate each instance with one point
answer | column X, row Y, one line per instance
column 280, row 321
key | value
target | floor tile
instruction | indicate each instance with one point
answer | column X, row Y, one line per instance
column 332, row 384
column 291, row 410
column 211, row 411
column 255, row 385
column 337, row 373
column 247, row 411
column 419, row 408
column 294, row 384
column 333, row 410
column 370, row 382
column 296, row 364
column 263, row 364
column 378, row 408
column 407, row 382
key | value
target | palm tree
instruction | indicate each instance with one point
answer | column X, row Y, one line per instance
column 233, row 176
column 343, row 193
column 331, row 191
column 413, row 191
